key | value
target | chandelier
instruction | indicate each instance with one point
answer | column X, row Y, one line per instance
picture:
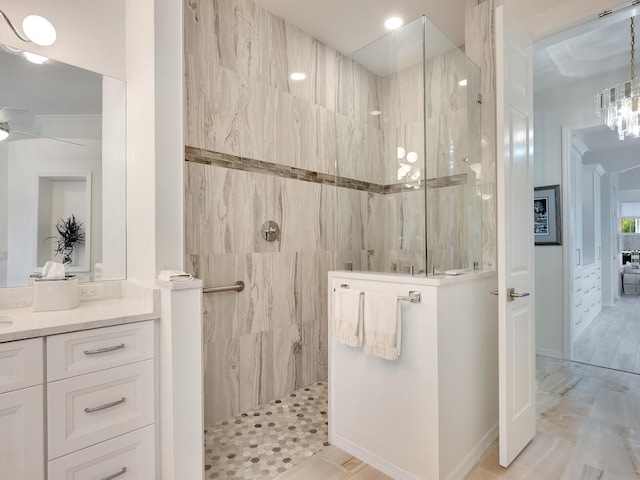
column 618, row 105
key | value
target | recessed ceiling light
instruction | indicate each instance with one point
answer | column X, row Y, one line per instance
column 33, row 58
column 392, row 23
column 297, row 76
column 375, row 112
column 463, row 82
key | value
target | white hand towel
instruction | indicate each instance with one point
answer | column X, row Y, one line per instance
column 174, row 275
column 347, row 317
column 382, row 325
column 53, row 271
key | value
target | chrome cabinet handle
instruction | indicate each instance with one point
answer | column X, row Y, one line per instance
column 115, row 475
column 104, row 350
column 105, row 406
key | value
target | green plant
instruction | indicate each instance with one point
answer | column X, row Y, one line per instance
column 70, row 233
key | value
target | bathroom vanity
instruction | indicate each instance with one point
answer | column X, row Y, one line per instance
column 78, row 389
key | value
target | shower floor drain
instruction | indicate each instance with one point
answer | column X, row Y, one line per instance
column 266, row 442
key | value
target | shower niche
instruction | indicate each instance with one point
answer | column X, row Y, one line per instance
column 409, row 156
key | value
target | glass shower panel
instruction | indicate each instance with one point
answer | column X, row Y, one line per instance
column 407, row 142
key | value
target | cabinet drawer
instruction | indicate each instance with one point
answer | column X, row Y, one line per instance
column 131, row 454
column 20, row 364
column 21, row 435
column 77, row 353
column 98, row 406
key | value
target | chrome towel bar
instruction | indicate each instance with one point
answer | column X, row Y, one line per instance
column 238, row 287
column 413, row 297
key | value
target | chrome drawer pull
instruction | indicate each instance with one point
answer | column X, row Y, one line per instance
column 105, row 406
column 115, row 475
column 104, row 350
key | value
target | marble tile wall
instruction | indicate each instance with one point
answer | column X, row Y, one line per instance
column 240, row 102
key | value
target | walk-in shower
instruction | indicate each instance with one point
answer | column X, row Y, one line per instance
column 409, row 156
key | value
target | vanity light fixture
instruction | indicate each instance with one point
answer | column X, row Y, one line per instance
column 36, row 29
column 393, row 23
column 297, row 76
column 4, row 130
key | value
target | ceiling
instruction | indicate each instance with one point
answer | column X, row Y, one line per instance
column 348, row 26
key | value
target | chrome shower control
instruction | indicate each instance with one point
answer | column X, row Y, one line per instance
column 270, row 231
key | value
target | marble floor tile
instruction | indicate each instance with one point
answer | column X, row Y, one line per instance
column 316, row 468
column 581, row 471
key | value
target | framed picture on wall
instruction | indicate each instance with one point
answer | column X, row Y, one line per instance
column 547, row 224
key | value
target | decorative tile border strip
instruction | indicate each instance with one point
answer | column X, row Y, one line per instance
column 208, row 157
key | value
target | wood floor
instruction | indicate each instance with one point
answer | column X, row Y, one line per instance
column 612, row 339
column 588, row 427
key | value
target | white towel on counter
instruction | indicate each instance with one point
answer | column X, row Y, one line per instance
column 382, row 325
column 174, row 276
column 347, row 316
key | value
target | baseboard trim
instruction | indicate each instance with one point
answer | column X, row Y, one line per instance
column 548, row 352
column 471, row 459
column 370, row 458
column 458, row 473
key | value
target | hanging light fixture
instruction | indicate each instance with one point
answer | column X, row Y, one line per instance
column 619, row 105
column 36, row 29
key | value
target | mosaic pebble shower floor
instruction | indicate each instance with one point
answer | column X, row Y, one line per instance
column 266, row 442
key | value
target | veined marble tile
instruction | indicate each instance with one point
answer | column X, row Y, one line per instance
column 252, row 303
column 221, row 380
column 250, row 36
column 285, row 287
column 212, row 107
column 301, row 215
column 301, row 56
column 287, row 360
column 618, row 408
column 255, row 370
column 257, row 119
column 350, row 219
column 326, row 141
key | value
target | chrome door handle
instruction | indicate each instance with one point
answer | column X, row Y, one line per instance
column 511, row 294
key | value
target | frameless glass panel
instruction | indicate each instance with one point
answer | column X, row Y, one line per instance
column 408, row 155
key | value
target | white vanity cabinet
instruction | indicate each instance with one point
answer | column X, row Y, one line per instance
column 79, row 405
column 100, row 403
column 21, row 410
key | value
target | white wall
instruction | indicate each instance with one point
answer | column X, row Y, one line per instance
column 553, row 109
column 90, row 33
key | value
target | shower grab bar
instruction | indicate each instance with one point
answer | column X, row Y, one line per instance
column 413, row 297
column 238, row 287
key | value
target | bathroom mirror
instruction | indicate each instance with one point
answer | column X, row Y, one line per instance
column 64, row 157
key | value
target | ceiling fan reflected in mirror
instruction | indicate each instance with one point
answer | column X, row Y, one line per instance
column 8, row 113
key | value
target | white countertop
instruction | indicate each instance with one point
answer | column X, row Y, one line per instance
column 435, row 281
column 24, row 323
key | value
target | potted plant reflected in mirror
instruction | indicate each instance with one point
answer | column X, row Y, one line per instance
column 71, row 233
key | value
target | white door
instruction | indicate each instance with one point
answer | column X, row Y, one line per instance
column 515, row 239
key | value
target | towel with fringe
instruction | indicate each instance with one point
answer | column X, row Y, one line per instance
column 347, row 315
column 382, row 325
